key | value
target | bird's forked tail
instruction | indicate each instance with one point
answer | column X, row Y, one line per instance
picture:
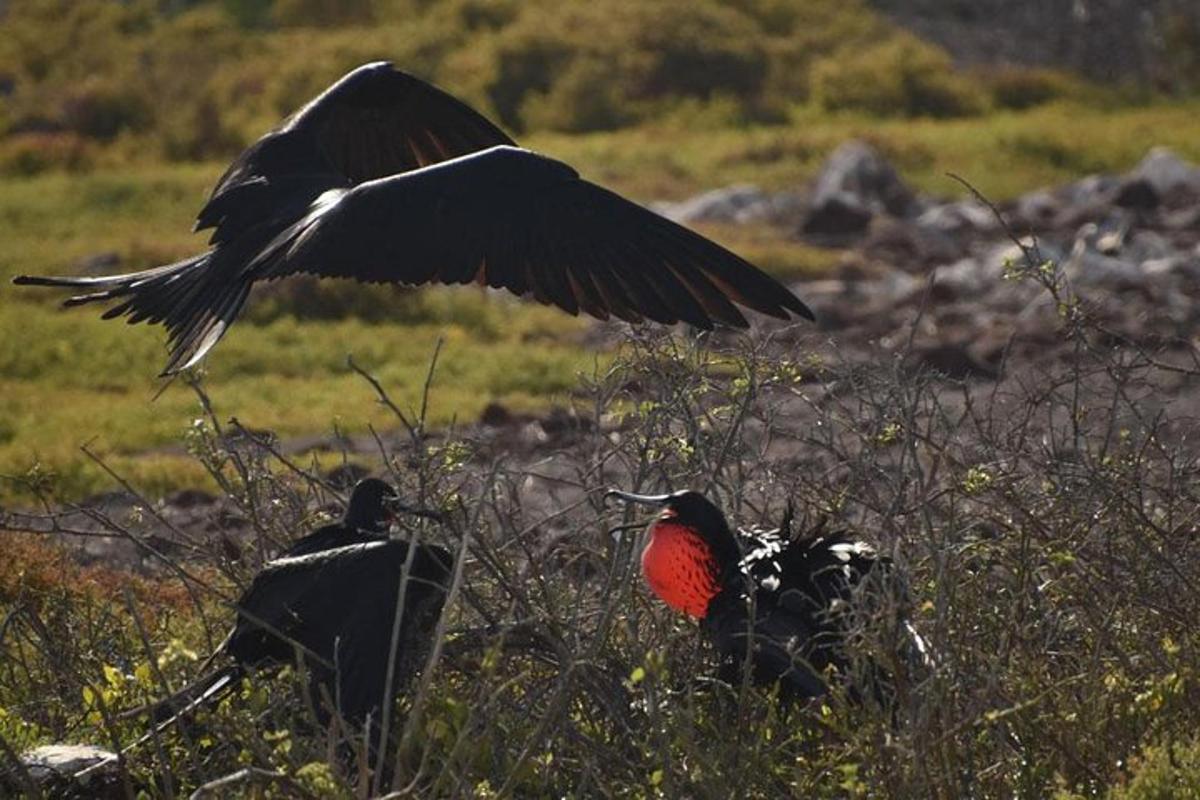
column 194, row 299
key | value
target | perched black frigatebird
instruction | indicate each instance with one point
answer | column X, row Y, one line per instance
column 331, row 602
column 784, row 602
column 374, row 505
column 386, row 179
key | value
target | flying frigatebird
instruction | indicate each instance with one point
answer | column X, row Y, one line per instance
column 386, row 179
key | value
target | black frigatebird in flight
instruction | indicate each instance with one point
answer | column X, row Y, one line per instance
column 786, row 601
column 330, row 601
column 386, row 179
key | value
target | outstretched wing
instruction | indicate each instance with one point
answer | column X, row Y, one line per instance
column 375, row 121
column 509, row 218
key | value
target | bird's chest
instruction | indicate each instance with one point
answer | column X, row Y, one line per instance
column 680, row 569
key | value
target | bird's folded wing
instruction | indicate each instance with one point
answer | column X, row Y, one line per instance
column 512, row 219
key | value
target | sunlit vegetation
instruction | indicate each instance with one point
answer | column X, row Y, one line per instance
column 560, row 676
column 1051, row 564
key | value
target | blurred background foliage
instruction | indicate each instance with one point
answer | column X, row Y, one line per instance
column 117, row 115
column 193, row 80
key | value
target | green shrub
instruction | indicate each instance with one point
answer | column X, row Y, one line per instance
column 1168, row 771
column 322, row 13
column 1022, row 87
column 585, row 98
column 32, row 153
column 510, row 65
column 901, row 76
column 102, row 108
column 1180, row 71
column 617, row 63
column 162, row 70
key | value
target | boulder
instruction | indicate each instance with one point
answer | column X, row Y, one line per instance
column 67, row 771
column 959, row 218
column 1137, row 194
column 911, row 247
column 1037, row 211
column 496, row 415
column 855, row 184
column 740, row 203
column 1168, row 174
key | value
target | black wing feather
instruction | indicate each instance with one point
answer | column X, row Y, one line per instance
column 533, row 226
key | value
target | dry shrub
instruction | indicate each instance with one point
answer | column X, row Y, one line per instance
column 28, row 154
column 899, row 76
column 1045, row 523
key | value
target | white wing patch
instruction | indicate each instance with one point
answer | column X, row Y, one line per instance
column 763, row 548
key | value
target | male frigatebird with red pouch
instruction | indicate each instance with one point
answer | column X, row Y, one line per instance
column 787, row 602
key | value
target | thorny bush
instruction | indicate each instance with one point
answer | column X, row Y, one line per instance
column 1046, row 524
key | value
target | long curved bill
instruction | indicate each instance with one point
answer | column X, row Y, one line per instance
column 641, row 499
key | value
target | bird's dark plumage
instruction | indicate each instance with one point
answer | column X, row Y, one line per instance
column 786, row 601
column 373, row 505
column 334, row 609
column 330, row 602
column 384, row 178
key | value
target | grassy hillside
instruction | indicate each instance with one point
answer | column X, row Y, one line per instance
column 67, row 377
column 1046, row 524
column 187, row 80
column 115, row 119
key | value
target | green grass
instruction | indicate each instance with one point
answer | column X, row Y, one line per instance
column 67, row 378
column 1003, row 154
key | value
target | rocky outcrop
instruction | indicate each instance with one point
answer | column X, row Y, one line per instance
column 1127, row 245
column 855, row 185
column 66, row 771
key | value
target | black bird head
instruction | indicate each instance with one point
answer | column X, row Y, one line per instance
column 689, row 550
column 373, row 506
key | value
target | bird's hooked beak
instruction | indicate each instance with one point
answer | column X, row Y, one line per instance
column 641, row 499
column 659, row 500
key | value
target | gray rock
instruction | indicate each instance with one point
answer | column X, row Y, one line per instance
column 1137, row 194
column 895, row 286
column 959, row 218
column 1167, row 173
column 1089, row 190
column 855, row 184
column 1091, row 264
column 967, row 278
column 837, row 216
column 1036, row 210
column 909, row 246
column 1145, row 246
column 741, row 203
column 69, row 771
column 1184, row 220
column 1178, row 265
